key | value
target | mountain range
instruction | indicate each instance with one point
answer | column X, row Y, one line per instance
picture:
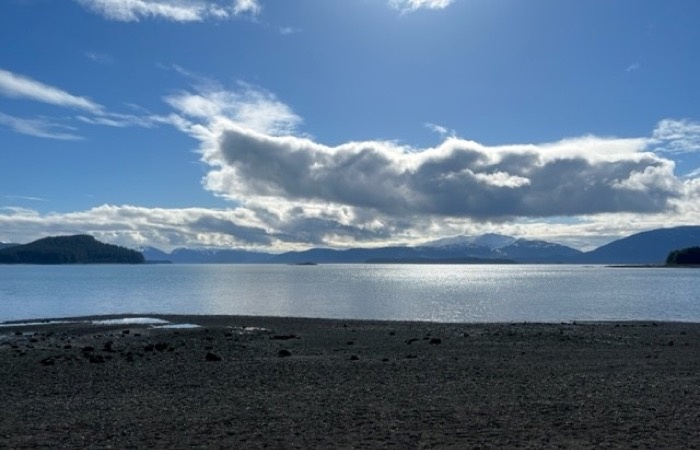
column 650, row 247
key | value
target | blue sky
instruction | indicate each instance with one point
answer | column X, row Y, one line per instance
column 287, row 124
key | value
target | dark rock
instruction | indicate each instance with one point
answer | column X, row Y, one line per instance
column 211, row 357
column 161, row 346
column 283, row 337
column 436, row 341
column 148, row 348
column 284, row 353
column 88, row 349
column 96, row 359
column 410, row 341
column 354, row 358
column 50, row 361
column 126, row 332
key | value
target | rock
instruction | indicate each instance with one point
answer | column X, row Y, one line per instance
column 50, row 361
column 283, row 337
column 211, row 357
column 435, row 341
column 96, row 359
column 284, row 353
column 148, row 348
column 88, row 349
column 354, row 358
column 161, row 346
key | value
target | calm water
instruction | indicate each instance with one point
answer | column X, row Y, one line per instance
column 406, row 292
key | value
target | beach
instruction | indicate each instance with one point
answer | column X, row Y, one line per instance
column 265, row 382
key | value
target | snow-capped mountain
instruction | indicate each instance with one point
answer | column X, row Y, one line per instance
column 490, row 240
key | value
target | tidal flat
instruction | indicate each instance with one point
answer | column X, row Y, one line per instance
column 249, row 382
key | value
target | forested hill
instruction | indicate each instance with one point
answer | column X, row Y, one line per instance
column 79, row 249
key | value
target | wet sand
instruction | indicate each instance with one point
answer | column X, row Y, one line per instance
column 253, row 382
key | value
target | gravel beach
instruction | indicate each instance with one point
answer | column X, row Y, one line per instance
column 254, row 382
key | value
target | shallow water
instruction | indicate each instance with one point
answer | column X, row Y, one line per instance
column 446, row 293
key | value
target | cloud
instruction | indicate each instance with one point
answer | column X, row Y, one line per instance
column 458, row 178
column 304, row 192
column 100, row 58
column 117, row 120
column 18, row 86
column 172, row 10
column 134, row 226
column 676, row 136
column 289, row 30
column 250, row 107
column 634, row 66
column 440, row 130
column 414, row 5
column 42, row 128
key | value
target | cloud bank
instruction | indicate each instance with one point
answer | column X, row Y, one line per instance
column 301, row 191
column 459, row 178
column 291, row 191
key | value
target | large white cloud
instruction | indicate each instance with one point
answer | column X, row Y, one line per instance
column 173, row 10
column 304, row 191
column 458, row 178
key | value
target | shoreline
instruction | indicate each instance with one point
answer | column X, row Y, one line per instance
column 249, row 382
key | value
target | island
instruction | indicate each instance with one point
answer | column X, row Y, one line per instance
column 684, row 257
column 78, row 249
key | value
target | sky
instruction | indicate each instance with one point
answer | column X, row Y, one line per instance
column 279, row 125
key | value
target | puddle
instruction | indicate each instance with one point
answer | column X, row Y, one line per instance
column 243, row 330
column 177, row 326
column 131, row 321
column 34, row 324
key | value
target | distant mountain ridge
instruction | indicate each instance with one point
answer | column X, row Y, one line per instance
column 459, row 250
column 649, row 247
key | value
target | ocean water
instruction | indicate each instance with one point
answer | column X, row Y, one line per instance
column 444, row 293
